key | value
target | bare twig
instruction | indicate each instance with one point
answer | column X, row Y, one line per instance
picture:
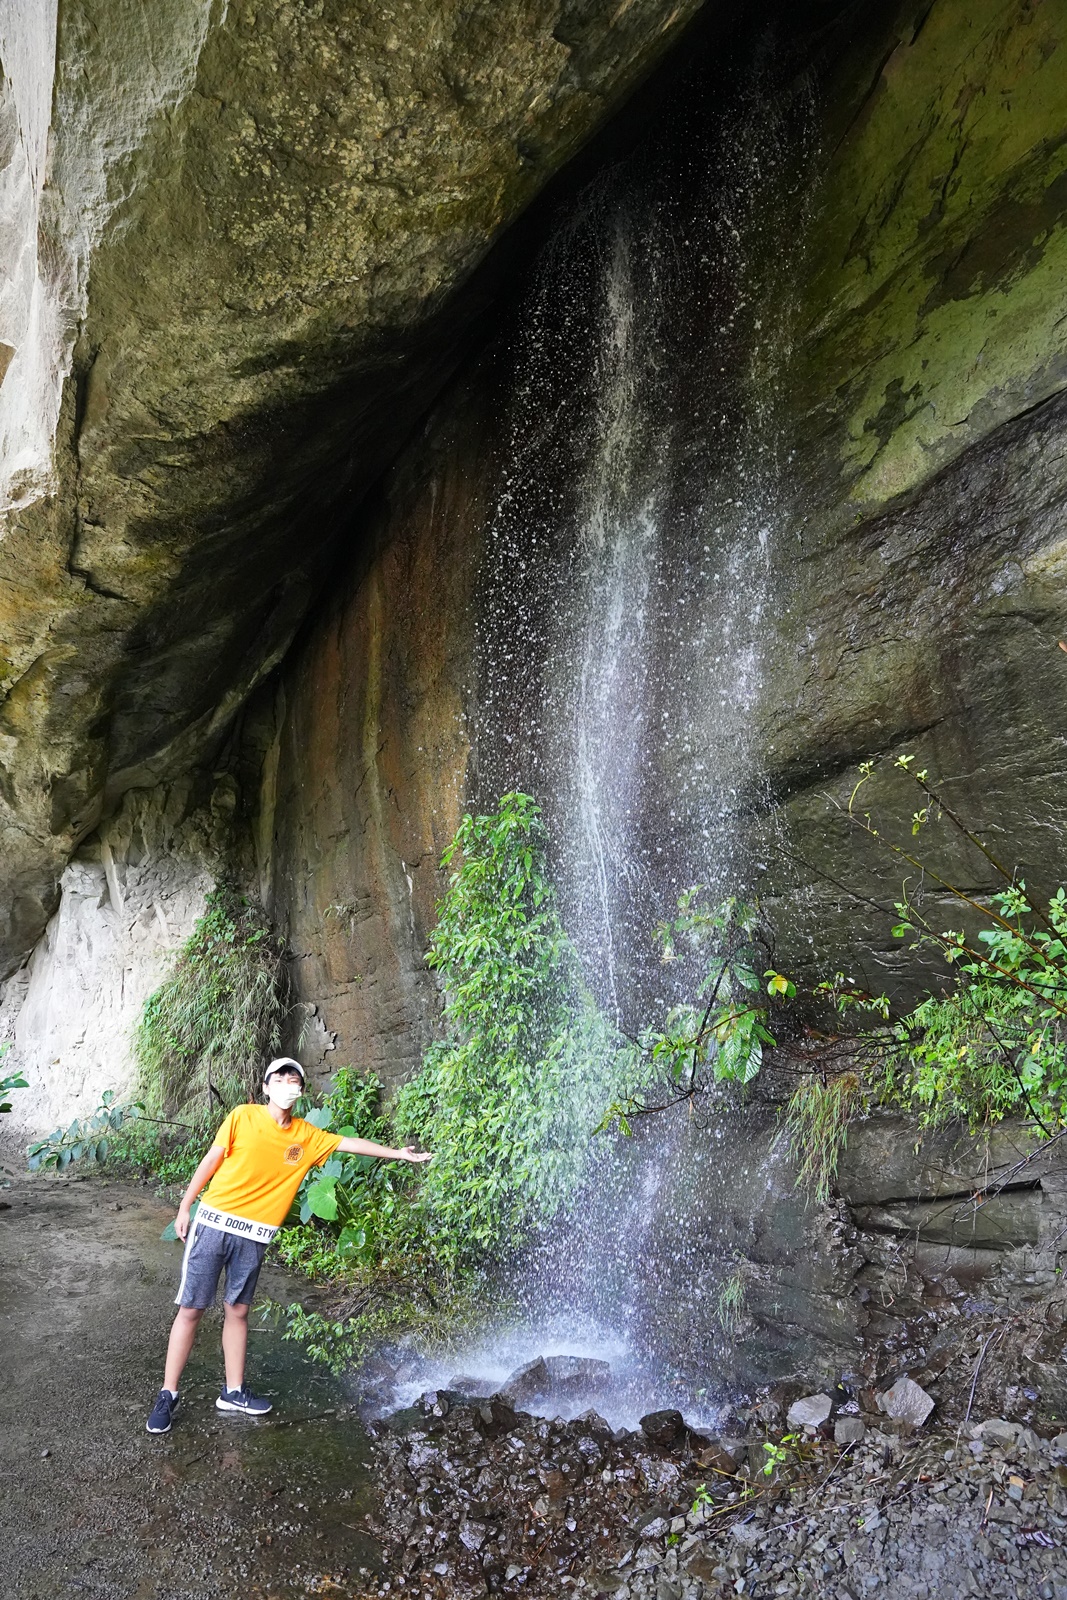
column 996, row 1334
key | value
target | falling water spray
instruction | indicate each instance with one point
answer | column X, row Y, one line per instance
column 629, row 599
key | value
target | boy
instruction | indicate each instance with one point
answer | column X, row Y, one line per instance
column 256, row 1164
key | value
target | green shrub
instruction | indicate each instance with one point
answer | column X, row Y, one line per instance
column 996, row 1044
column 207, row 1031
column 508, row 1099
column 352, row 1208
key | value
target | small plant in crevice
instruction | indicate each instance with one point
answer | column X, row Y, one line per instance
column 206, row 1032
column 730, row 1301
column 789, row 1450
column 817, row 1118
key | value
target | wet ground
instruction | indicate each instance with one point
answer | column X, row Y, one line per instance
column 93, row 1505
column 464, row 1494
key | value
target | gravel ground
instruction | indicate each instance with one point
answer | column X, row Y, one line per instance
column 479, row 1497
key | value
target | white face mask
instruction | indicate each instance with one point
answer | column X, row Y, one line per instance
column 284, row 1094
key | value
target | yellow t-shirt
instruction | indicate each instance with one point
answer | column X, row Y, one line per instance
column 265, row 1164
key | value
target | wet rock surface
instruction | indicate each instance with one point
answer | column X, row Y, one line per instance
column 477, row 1498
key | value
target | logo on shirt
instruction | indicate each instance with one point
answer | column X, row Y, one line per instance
column 293, row 1154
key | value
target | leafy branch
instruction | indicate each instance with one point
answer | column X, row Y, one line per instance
column 996, row 1042
column 720, row 1035
column 86, row 1138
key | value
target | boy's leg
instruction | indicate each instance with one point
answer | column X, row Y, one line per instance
column 243, row 1260
column 201, row 1264
column 180, row 1343
column 235, row 1344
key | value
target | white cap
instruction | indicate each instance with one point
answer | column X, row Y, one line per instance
column 284, row 1061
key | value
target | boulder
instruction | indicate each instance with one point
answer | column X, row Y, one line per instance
column 470, row 1388
column 526, row 1385
column 810, row 1412
column 576, row 1377
column 849, row 1430
column 666, row 1428
column 566, row 1378
column 999, row 1433
column 907, row 1402
column 472, row 1534
column 719, row 1458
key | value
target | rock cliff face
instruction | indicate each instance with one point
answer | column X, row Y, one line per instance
column 760, row 471
column 128, row 899
column 851, row 458
column 764, row 476
column 236, row 235
column 365, row 738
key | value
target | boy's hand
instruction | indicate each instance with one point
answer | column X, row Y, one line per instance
column 409, row 1153
column 181, row 1222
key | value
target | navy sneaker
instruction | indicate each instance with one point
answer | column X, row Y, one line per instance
column 162, row 1412
column 241, row 1400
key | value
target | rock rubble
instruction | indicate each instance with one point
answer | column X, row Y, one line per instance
column 480, row 1498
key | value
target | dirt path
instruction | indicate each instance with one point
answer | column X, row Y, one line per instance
column 92, row 1504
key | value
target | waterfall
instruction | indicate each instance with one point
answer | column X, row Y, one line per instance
column 607, row 740
column 30, row 336
column 630, row 593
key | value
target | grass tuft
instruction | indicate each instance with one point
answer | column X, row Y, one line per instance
column 817, row 1118
column 207, row 1031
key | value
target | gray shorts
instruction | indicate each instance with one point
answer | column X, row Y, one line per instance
column 207, row 1251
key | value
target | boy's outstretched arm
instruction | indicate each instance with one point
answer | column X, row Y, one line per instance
column 207, row 1169
column 367, row 1147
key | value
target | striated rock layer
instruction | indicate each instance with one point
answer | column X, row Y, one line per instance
column 235, row 235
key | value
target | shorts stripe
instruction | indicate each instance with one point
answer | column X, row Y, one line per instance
column 185, row 1260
